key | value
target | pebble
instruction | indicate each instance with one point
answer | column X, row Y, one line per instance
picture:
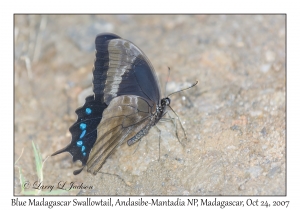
column 265, row 68
column 264, row 131
column 255, row 113
column 86, row 92
column 273, row 171
column 270, row 56
column 185, row 192
column 255, row 171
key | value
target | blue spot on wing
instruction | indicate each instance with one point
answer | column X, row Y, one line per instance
column 82, row 126
column 88, row 111
column 84, row 130
column 82, row 134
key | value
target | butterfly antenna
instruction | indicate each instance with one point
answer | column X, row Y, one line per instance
column 176, row 113
column 184, row 88
column 167, row 81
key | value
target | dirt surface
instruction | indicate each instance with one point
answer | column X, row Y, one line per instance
column 234, row 117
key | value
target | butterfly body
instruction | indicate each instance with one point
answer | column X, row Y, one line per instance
column 140, row 115
column 125, row 105
column 157, row 115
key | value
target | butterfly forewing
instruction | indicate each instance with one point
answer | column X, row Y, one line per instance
column 121, row 68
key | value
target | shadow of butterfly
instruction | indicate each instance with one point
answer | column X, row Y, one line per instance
column 125, row 105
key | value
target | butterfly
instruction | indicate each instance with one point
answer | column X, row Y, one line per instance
column 125, row 105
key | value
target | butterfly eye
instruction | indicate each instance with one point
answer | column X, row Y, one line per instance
column 168, row 101
column 165, row 101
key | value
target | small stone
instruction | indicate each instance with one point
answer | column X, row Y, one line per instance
column 277, row 66
column 256, row 113
column 86, row 92
column 255, row 171
column 222, row 42
column 265, row 68
column 270, row 56
column 235, row 127
column 185, row 192
column 273, row 171
column 240, row 44
column 242, row 187
column 264, row 131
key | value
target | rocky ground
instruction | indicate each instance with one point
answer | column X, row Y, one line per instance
column 235, row 118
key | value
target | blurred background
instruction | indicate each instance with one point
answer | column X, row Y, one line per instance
column 235, row 118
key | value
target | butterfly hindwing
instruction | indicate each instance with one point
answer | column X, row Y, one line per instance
column 84, row 130
column 117, row 127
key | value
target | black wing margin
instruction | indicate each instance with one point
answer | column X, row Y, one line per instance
column 84, row 131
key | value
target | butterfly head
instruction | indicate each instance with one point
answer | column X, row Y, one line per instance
column 165, row 102
column 161, row 110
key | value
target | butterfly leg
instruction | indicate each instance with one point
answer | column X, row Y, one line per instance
column 180, row 123
column 158, row 141
column 137, row 145
column 174, row 121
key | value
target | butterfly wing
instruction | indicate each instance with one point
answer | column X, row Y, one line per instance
column 121, row 68
column 122, row 120
column 84, row 130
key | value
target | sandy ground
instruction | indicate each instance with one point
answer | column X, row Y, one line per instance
column 235, row 118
